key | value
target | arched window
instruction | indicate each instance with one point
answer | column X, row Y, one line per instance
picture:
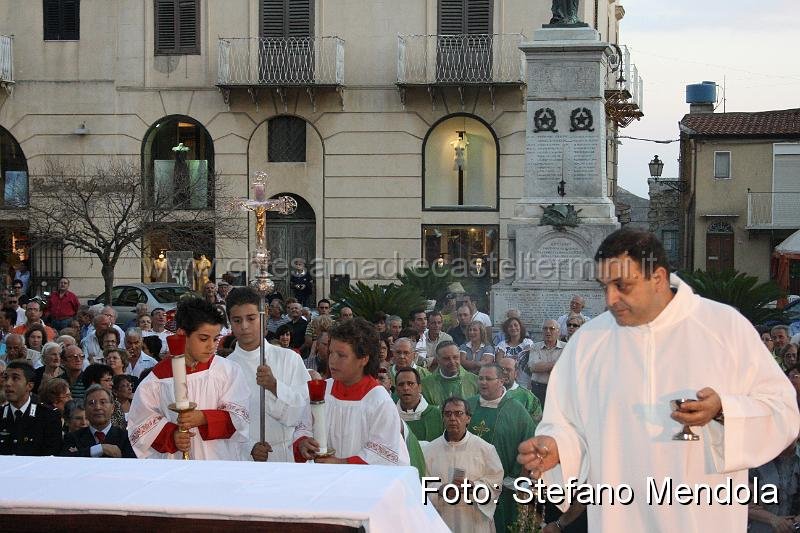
column 460, row 166
column 178, row 164
column 13, row 172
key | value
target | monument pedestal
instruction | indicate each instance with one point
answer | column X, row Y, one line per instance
column 565, row 165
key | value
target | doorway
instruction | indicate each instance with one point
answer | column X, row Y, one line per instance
column 291, row 237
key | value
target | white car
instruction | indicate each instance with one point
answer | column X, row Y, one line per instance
column 125, row 297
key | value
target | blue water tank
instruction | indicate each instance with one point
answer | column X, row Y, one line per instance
column 701, row 93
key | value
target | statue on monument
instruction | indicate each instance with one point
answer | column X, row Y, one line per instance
column 565, row 13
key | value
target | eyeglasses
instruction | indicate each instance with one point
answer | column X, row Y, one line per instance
column 101, row 403
column 549, row 328
column 486, row 378
column 453, row 414
column 573, row 325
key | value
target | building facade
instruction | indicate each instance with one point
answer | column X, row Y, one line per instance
column 398, row 127
column 743, row 176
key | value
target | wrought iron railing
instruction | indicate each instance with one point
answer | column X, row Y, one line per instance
column 460, row 58
column 281, row 61
column 627, row 77
column 773, row 210
column 6, row 59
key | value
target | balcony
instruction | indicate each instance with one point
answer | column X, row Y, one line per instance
column 773, row 210
column 6, row 62
column 280, row 64
column 624, row 89
column 460, row 61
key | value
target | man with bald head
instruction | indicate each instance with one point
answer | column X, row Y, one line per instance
column 576, row 306
column 544, row 355
column 515, row 392
column 404, row 356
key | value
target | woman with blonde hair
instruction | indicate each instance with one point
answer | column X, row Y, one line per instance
column 477, row 349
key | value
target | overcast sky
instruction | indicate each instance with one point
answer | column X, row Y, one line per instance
column 750, row 46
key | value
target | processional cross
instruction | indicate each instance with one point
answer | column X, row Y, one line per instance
column 261, row 281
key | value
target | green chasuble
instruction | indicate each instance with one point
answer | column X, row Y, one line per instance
column 415, row 452
column 437, row 388
column 429, row 426
column 529, row 402
column 505, row 427
column 423, row 372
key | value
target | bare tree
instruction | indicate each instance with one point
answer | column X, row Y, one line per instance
column 109, row 208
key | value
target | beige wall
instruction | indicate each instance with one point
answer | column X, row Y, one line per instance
column 363, row 173
column 751, row 168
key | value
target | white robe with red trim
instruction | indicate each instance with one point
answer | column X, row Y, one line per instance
column 220, row 387
column 363, row 424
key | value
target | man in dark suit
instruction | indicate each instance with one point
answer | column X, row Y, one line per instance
column 26, row 426
column 100, row 439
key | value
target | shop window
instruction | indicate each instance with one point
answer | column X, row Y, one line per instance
column 467, row 250
column 178, row 162
column 460, row 166
column 13, row 173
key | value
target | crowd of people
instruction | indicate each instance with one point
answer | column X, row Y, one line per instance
column 442, row 390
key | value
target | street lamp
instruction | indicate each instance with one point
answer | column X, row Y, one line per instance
column 656, row 168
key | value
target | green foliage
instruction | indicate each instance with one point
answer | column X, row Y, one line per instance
column 739, row 290
column 431, row 283
column 392, row 299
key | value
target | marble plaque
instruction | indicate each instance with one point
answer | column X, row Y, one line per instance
column 536, row 306
column 556, row 80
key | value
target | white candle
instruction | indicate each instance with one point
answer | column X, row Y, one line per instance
column 320, row 426
column 179, row 382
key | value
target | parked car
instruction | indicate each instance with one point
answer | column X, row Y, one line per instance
column 125, row 297
column 791, row 315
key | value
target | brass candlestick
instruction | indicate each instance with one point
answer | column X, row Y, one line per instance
column 174, row 408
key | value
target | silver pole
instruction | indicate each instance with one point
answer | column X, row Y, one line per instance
column 262, row 400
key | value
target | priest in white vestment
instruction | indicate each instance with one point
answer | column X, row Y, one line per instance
column 363, row 425
column 459, row 455
column 607, row 418
column 284, row 379
column 219, row 428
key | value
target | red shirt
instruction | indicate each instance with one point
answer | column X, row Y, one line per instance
column 61, row 307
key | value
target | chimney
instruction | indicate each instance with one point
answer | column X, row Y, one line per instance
column 701, row 97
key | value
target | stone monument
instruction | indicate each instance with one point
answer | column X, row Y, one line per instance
column 565, row 211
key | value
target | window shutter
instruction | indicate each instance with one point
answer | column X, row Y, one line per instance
column 299, row 18
column 451, row 17
column 165, row 30
column 187, row 26
column 272, row 18
column 70, row 20
column 286, row 139
column 479, row 16
column 51, row 14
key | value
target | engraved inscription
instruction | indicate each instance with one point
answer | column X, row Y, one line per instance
column 581, row 155
column 546, row 80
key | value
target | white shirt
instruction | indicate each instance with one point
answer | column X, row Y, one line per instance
column 284, row 410
column 483, row 318
column 143, row 363
column 562, row 323
column 97, row 449
column 608, row 410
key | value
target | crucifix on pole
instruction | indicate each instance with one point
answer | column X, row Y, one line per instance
column 261, row 281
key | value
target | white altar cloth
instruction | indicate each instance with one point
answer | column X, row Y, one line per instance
column 380, row 498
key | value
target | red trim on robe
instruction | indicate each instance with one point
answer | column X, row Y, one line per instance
column 298, row 457
column 356, row 460
column 163, row 369
column 354, row 393
column 218, row 425
column 165, row 442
